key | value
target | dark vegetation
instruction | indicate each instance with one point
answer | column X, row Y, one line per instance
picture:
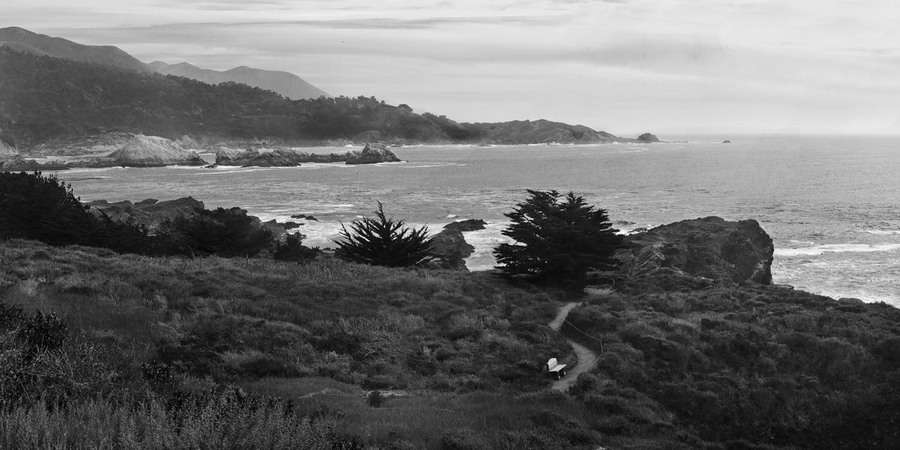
column 45, row 99
column 34, row 206
column 746, row 367
column 169, row 334
column 557, row 240
column 104, row 350
column 384, row 241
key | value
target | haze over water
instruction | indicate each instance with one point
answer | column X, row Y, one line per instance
column 830, row 203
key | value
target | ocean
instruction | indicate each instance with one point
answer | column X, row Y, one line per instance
column 831, row 204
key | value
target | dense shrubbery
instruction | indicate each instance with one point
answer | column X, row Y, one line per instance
column 557, row 240
column 384, row 242
column 753, row 364
column 33, row 206
column 222, row 232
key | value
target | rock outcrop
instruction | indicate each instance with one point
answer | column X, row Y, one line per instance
column 150, row 213
column 710, row 248
column 451, row 247
column 372, row 154
column 253, row 157
column 137, row 150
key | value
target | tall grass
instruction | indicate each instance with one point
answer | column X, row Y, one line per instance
column 217, row 424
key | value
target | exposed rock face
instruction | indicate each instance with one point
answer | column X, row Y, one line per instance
column 709, row 247
column 372, row 154
column 150, row 213
column 451, row 247
column 137, row 150
column 252, row 157
column 648, row 138
column 466, row 225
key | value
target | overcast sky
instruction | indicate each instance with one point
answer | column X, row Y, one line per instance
column 624, row 66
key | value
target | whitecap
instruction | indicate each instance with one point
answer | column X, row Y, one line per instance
column 835, row 248
column 881, row 232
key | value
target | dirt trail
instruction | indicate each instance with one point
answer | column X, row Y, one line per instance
column 587, row 359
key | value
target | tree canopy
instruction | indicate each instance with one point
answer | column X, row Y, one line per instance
column 557, row 239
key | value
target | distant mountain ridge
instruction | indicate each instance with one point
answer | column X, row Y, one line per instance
column 39, row 44
column 284, row 83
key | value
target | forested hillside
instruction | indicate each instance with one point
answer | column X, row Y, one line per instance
column 44, row 99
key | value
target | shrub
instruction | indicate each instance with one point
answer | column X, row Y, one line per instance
column 221, row 232
column 292, row 249
column 384, row 242
column 557, row 240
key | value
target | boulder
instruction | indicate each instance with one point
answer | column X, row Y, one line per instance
column 710, row 248
column 466, row 225
column 451, row 247
column 372, row 154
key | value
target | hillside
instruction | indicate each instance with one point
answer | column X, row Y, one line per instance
column 45, row 100
column 685, row 361
column 284, row 83
column 39, row 44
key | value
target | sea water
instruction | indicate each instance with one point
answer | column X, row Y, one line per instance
column 831, row 204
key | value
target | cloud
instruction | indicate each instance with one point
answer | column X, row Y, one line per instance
column 668, row 65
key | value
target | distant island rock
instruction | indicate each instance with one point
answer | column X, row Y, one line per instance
column 284, row 83
column 647, row 138
column 726, row 141
column 371, row 154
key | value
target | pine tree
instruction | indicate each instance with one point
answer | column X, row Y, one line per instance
column 557, row 240
column 384, row 242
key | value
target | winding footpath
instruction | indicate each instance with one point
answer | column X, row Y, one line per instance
column 587, row 359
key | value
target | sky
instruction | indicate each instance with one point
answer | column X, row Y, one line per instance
column 672, row 67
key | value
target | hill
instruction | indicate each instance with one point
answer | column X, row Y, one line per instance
column 26, row 41
column 284, row 83
column 46, row 100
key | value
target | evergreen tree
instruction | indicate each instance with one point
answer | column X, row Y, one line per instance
column 384, row 242
column 557, row 240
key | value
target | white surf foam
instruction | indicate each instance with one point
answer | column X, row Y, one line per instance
column 835, row 248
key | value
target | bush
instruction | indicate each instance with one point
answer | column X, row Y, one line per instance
column 382, row 241
column 221, row 232
column 292, row 249
column 557, row 240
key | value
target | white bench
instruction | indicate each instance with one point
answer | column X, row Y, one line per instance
column 555, row 368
